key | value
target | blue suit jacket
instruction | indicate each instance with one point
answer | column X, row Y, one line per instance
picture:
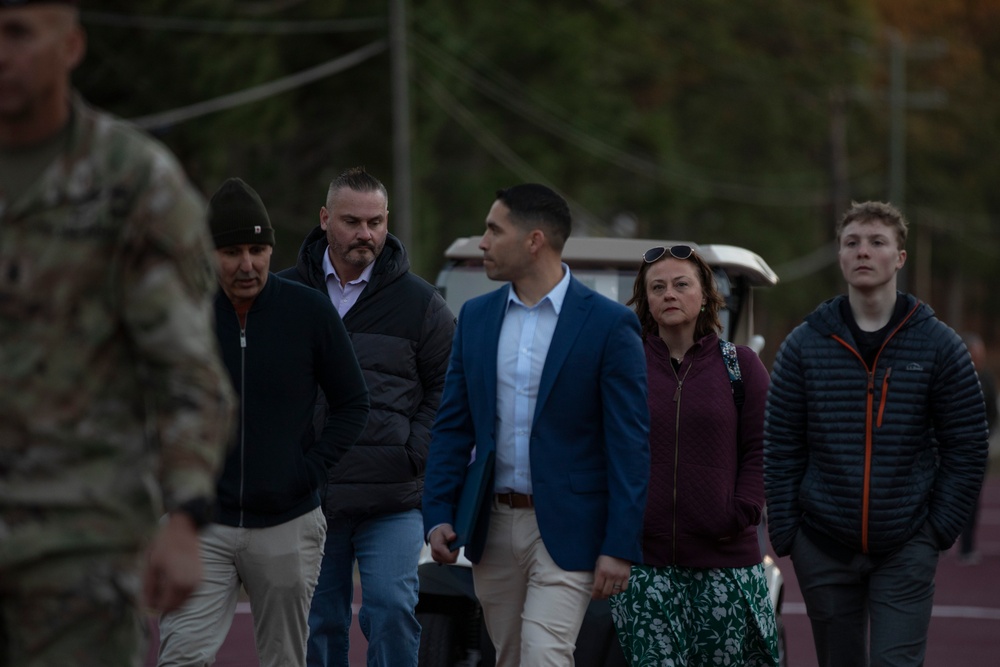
column 589, row 447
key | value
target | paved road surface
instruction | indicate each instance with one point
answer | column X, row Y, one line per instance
column 965, row 628
column 239, row 651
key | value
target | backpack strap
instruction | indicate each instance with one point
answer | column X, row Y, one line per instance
column 735, row 378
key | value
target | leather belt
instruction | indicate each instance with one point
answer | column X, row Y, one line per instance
column 515, row 500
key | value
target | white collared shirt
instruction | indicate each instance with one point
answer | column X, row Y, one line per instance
column 344, row 297
column 525, row 336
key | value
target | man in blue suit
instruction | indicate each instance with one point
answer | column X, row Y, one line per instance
column 550, row 377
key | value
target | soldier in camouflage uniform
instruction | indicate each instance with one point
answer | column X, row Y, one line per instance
column 114, row 405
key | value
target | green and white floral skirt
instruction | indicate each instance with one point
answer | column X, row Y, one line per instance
column 687, row 617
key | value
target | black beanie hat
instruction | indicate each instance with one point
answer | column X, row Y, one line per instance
column 236, row 215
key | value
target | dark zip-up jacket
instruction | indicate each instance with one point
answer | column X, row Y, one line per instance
column 862, row 457
column 293, row 342
column 706, row 485
column 401, row 329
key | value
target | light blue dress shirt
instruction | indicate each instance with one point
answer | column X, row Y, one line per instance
column 344, row 297
column 525, row 336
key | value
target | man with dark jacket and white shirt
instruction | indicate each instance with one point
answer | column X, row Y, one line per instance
column 279, row 341
column 874, row 452
column 402, row 330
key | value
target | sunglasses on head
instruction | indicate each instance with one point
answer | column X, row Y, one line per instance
column 676, row 251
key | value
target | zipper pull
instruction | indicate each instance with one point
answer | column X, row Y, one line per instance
column 677, row 392
column 885, row 394
column 243, row 338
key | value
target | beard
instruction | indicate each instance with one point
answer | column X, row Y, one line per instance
column 356, row 254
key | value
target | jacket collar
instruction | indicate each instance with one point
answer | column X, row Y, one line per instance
column 391, row 263
column 827, row 320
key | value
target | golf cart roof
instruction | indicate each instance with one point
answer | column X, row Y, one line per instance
column 608, row 252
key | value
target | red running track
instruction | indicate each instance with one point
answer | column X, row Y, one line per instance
column 965, row 628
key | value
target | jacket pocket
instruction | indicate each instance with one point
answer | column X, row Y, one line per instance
column 706, row 495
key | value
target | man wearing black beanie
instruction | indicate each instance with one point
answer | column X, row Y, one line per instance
column 280, row 341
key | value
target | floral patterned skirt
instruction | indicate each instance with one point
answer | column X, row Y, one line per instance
column 687, row 617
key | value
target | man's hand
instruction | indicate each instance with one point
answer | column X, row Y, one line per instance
column 610, row 577
column 174, row 566
column 440, row 537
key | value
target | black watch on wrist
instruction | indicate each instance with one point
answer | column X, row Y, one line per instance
column 199, row 509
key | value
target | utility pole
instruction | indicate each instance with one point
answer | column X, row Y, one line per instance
column 900, row 100
column 897, row 119
column 840, row 173
column 402, row 190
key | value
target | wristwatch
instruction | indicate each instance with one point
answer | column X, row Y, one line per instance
column 199, row 509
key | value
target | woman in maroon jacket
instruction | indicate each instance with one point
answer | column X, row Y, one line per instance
column 700, row 595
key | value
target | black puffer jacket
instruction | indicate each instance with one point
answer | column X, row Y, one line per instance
column 401, row 329
column 865, row 457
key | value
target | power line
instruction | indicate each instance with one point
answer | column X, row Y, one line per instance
column 499, row 149
column 256, row 93
column 808, row 264
column 679, row 176
column 231, row 26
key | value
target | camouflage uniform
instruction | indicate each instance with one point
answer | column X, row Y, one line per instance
column 114, row 405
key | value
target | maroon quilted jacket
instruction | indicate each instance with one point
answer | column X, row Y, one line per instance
column 706, row 492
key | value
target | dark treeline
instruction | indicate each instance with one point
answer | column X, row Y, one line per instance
column 752, row 123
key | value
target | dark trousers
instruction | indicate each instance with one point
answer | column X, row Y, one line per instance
column 870, row 611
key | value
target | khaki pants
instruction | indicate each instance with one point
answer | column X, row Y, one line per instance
column 533, row 608
column 278, row 567
column 79, row 610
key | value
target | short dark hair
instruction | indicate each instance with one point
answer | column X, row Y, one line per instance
column 708, row 320
column 359, row 180
column 533, row 204
column 875, row 211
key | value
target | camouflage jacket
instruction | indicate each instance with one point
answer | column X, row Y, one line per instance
column 114, row 404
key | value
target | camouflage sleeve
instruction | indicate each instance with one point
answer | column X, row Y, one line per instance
column 168, row 282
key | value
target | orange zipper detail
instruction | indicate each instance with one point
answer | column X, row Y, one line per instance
column 885, row 392
column 866, row 487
